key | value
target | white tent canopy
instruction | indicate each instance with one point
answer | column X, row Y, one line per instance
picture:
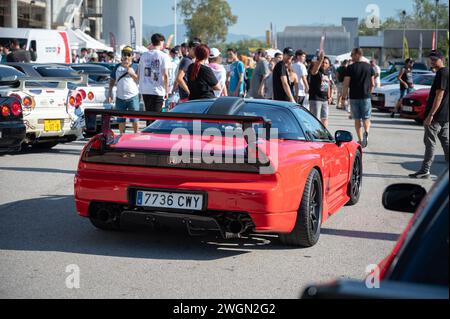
column 348, row 56
column 78, row 39
column 271, row 52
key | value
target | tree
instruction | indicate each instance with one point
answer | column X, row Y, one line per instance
column 208, row 20
column 244, row 47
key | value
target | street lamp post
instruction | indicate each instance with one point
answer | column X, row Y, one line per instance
column 437, row 23
column 404, row 32
column 175, row 23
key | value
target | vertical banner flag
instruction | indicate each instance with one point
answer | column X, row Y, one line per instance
column 447, row 46
column 322, row 43
column 169, row 41
column 272, row 42
column 421, row 47
column 133, row 33
column 112, row 41
column 406, row 48
column 433, row 46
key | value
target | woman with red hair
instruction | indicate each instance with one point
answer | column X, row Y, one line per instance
column 201, row 79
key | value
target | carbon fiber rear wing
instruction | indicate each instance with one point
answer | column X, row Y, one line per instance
column 245, row 121
column 62, row 82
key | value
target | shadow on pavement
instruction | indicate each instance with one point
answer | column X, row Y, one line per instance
column 52, row 224
column 38, row 170
column 361, row 234
column 438, row 168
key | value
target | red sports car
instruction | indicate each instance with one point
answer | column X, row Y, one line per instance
column 287, row 182
column 414, row 105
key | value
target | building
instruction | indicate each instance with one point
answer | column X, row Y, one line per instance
column 116, row 21
column 338, row 39
column 91, row 16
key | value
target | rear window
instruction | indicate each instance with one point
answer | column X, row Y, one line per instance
column 9, row 72
column 56, row 72
column 424, row 80
column 282, row 119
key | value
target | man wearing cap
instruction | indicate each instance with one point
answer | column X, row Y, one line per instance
column 281, row 82
column 125, row 77
column 436, row 123
column 181, row 79
column 215, row 63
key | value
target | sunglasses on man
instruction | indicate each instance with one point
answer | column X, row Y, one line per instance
column 126, row 55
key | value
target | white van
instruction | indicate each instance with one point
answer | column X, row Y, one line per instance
column 51, row 46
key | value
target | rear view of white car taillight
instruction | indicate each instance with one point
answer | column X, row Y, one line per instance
column 75, row 109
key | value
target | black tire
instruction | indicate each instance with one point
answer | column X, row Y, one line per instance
column 306, row 232
column 355, row 184
column 105, row 218
column 45, row 145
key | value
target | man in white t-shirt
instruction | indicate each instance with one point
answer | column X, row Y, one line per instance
column 124, row 77
column 302, row 73
column 215, row 63
column 154, row 75
column 377, row 71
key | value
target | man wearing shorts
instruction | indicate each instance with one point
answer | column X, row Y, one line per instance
column 360, row 81
column 125, row 77
column 320, row 94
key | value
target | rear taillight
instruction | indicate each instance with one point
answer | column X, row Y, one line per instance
column 78, row 100
column 91, row 96
column 27, row 102
column 97, row 143
column 6, row 110
column 72, row 101
column 16, row 108
column 83, row 93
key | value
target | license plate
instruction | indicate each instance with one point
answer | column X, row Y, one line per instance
column 184, row 201
column 377, row 98
column 407, row 108
column 52, row 125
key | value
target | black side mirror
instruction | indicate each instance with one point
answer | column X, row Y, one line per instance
column 403, row 197
column 343, row 137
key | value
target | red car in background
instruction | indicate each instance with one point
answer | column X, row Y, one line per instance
column 136, row 177
column 414, row 105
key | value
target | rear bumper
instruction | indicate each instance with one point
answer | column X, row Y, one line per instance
column 35, row 127
column 262, row 200
column 12, row 135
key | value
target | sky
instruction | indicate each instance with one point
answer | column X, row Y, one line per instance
column 254, row 16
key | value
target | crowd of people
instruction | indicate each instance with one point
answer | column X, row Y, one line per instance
column 14, row 52
column 193, row 71
column 165, row 77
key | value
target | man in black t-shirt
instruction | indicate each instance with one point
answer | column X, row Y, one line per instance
column 436, row 123
column 360, row 80
column 280, row 78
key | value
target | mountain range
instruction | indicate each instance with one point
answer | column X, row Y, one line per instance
column 148, row 30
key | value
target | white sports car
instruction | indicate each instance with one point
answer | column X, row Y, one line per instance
column 45, row 113
column 386, row 97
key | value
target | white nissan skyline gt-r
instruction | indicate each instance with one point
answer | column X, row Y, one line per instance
column 46, row 113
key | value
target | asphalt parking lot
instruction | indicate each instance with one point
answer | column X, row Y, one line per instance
column 41, row 234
